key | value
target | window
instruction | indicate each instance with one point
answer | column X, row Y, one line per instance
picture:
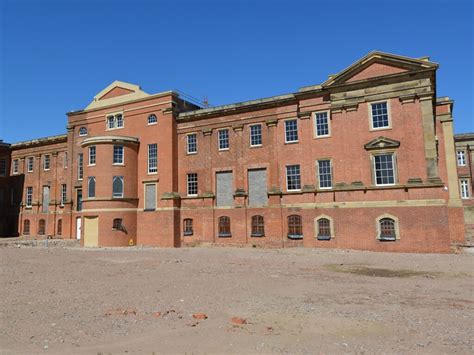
column 384, row 169
column 256, row 135
column 192, row 184
column 26, row 227
column 188, row 227
column 387, row 229
column 15, row 166
column 41, row 227
column 258, row 226
column 29, row 196
column 461, row 157
column 224, row 226
column 118, row 154
column 293, row 179
column 295, row 227
column 115, row 121
column 79, row 200
column 92, row 155
column 224, row 189
column 321, row 122
column 152, row 158
column 152, row 119
column 379, row 112
column 80, row 166
column 191, row 143
column 29, row 164
column 60, row 227
column 464, row 184
column 150, row 197
column 324, row 229
column 46, row 162
column 258, row 191
column 82, row 131
column 117, row 224
column 91, row 187
column 291, row 131
column 223, row 137
column 63, row 194
column 324, row 174
column 65, row 160
column 3, row 167
column 117, row 186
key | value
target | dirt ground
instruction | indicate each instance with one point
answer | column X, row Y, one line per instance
column 297, row 301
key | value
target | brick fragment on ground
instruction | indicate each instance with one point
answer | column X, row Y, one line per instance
column 200, row 316
column 238, row 320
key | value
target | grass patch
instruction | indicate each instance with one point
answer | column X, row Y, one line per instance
column 378, row 272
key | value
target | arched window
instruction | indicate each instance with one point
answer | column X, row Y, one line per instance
column 41, row 227
column 117, row 186
column 224, row 226
column 83, row 131
column 324, row 229
column 188, row 226
column 387, row 229
column 60, row 227
column 117, row 224
column 295, row 227
column 152, row 119
column 91, row 187
column 26, row 227
column 258, row 226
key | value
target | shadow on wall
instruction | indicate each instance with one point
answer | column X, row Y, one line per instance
column 11, row 190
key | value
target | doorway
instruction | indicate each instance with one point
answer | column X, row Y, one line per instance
column 78, row 228
column 91, row 231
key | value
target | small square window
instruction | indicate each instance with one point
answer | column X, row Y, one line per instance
column 152, row 119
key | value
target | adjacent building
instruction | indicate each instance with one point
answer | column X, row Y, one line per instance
column 365, row 160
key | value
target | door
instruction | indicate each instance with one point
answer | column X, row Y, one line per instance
column 91, row 231
column 78, row 228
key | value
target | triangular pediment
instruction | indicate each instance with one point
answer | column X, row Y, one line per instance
column 378, row 64
column 115, row 93
column 382, row 143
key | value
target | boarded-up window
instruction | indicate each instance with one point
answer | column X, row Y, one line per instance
column 225, row 196
column 45, row 198
column 41, row 227
column 257, row 187
column 150, row 197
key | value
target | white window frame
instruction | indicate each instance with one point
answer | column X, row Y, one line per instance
column 92, row 148
column 148, row 119
column 46, row 158
column 319, row 175
column 464, row 189
column 315, row 124
column 123, row 186
column 461, row 157
column 80, row 166
column 81, row 131
column 15, row 166
column 219, row 139
column 115, row 120
column 286, row 174
column 187, row 143
column 286, row 132
column 260, row 134
column 189, row 182
column 29, row 197
column 63, row 194
column 394, row 167
column 154, row 170
column 89, row 179
column 371, row 118
column 113, row 155
column 28, row 160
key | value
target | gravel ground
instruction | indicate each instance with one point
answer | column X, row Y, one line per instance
column 297, row 301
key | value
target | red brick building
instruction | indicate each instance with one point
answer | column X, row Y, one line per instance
column 365, row 160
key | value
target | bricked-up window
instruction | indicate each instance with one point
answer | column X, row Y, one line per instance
column 464, row 185
column 379, row 115
column 224, row 188
column 26, row 227
column 117, row 186
column 461, row 157
column 384, row 169
column 321, row 121
column 29, row 164
column 118, row 154
column 63, row 194
column 324, row 174
column 258, row 226
column 83, row 131
column 191, row 143
column 46, row 162
column 152, row 119
column 224, row 226
column 117, row 224
column 29, row 196
column 150, row 197
column 256, row 135
column 258, row 191
column 115, row 121
column 80, row 166
column 3, row 167
column 192, row 184
column 188, row 227
column 60, row 227
column 15, row 166
column 152, row 158
column 92, row 155
column 295, row 227
column 293, row 178
column 291, row 131
column 41, row 227
column 65, row 162
column 324, row 229
column 223, row 139
column 387, row 229
column 91, row 187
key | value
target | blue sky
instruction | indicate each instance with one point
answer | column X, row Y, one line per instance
column 56, row 55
